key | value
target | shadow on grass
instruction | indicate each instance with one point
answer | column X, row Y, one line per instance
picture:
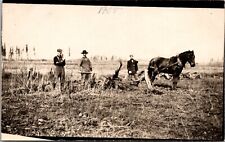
column 163, row 85
column 154, row 92
column 157, row 92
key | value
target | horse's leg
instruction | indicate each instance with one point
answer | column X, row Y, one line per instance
column 154, row 73
column 150, row 72
column 175, row 80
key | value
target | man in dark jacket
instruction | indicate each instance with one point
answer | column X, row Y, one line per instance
column 85, row 68
column 59, row 74
column 132, row 67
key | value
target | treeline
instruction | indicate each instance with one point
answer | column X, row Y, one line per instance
column 215, row 63
column 18, row 53
column 28, row 53
column 104, row 58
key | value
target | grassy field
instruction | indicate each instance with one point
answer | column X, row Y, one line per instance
column 193, row 111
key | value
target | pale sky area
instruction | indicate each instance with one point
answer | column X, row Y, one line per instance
column 145, row 32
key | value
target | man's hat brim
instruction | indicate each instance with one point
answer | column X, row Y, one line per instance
column 59, row 50
column 84, row 52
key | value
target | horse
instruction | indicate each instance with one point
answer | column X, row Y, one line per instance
column 173, row 65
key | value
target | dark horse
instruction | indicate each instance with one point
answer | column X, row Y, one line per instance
column 173, row 65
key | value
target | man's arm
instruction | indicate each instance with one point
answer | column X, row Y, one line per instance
column 81, row 63
column 128, row 67
column 55, row 60
column 136, row 65
column 58, row 63
column 90, row 65
column 63, row 62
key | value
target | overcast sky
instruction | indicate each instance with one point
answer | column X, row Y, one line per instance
column 145, row 32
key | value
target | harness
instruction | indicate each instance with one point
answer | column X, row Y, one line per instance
column 178, row 63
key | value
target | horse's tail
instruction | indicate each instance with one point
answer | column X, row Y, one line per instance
column 151, row 66
column 151, row 63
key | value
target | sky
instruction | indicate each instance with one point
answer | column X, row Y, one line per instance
column 145, row 32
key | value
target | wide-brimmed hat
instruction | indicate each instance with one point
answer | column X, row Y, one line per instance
column 59, row 50
column 84, row 52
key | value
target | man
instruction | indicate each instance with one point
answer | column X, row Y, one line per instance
column 59, row 63
column 132, row 68
column 85, row 68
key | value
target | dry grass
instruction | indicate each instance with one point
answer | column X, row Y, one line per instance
column 193, row 111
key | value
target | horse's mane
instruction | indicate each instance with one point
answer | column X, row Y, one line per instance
column 185, row 52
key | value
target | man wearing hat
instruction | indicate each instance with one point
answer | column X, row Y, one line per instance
column 85, row 68
column 132, row 67
column 59, row 63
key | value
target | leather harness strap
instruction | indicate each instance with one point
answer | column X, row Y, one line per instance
column 179, row 61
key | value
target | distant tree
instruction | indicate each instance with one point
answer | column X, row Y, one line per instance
column 101, row 58
column 22, row 53
column 69, row 51
column 211, row 60
column 112, row 58
column 34, row 50
column 11, row 52
column 3, row 50
column 26, row 48
column 27, row 51
column 17, row 53
column 95, row 58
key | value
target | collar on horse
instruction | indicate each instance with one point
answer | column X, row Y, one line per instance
column 179, row 63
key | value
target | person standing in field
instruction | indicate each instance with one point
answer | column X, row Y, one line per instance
column 85, row 68
column 59, row 74
column 132, row 67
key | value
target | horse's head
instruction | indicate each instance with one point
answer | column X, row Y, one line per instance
column 190, row 58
